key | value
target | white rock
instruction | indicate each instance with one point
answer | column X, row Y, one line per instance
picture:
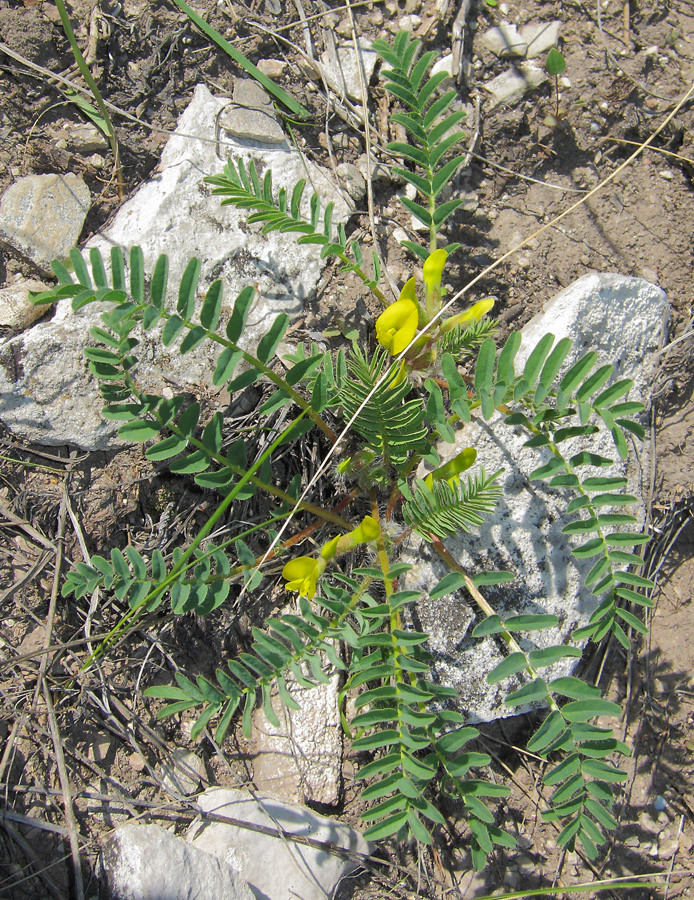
column 529, row 41
column 445, row 64
column 342, row 69
column 273, row 68
column 145, row 862
column 53, row 400
column 505, row 40
column 183, row 774
column 540, row 37
column 276, row 869
column 302, row 759
column 510, row 86
column 16, row 309
column 41, row 217
column 624, row 320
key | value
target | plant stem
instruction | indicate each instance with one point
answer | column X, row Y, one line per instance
column 93, row 87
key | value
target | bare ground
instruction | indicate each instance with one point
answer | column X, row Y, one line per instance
column 626, row 70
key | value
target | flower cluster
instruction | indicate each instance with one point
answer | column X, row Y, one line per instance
column 302, row 573
column 398, row 325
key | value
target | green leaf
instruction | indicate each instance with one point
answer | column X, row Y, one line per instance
column 547, row 656
column 530, row 693
column 212, row 305
column 187, row 289
column 566, row 768
column 139, row 430
column 513, row 664
column 160, row 276
column 171, row 330
column 574, row 688
column 583, row 710
column 387, row 827
column 530, row 622
column 452, row 741
column 484, row 370
column 193, row 339
column 450, row 583
column 575, row 374
column 490, row 625
column 602, row 771
column 536, row 359
column 551, row 728
column 594, row 382
column 268, row 343
column 237, row 320
column 555, row 63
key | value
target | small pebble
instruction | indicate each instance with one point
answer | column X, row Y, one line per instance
column 660, row 802
column 666, row 174
column 565, row 82
column 595, row 128
column 273, row 68
column 409, row 23
column 344, row 28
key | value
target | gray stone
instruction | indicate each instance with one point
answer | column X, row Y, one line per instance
column 251, row 115
column 302, row 759
column 41, row 217
column 624, row 320
column 277, row 868
column 145, row 862
column 183, row 773
column 253, row 125
column 529, row 41
column 16, row 309
column 46, row 394
column 352, row 180
column 512, row 85
column 379, row 172
column 342, row 68
column 87, row 138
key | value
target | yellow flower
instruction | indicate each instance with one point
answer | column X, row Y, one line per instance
column 474, row 314
column 302, row 574
column 433, row 269
column 397, row 325
column 369, row 530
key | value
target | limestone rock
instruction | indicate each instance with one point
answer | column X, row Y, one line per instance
column 182, row 775
column 16, row 309
column 353, row 181
column 624, row 320
column 529, row 41
column 145, row 862
column 302, row 759
column 274, row 868
column 342, row 68
column 41, row 217
column 512, row 85
column 46, row 394
column 273, row 68
column 251, row 115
